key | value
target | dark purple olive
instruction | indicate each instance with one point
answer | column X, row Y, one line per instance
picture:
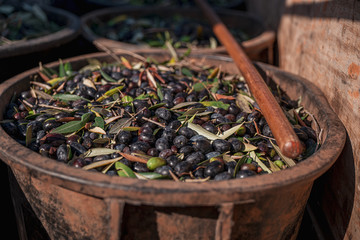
column 213, row 168
column 50, row 124
column 172, row 160
column 222, row 176
column 63, row 153
column 186, row 150
column 124, row 137
column 187, row 132
column 182, row 167
column 140, row 146
column 245, row 173
column 180, row 141
column 195, row 157
column 163, row 113
column 164, row 170
column 165, row 153
column 203, row 146
column 221, row 145
column 162, row 144
column 140, row 167
column 77, row 148
column 169, row 135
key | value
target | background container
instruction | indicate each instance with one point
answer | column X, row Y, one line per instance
column 20, row 56
column 75, row 204
column 259, row 47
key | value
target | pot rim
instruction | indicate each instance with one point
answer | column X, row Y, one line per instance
column 69, row 32
column 265, row 39
column 103, row 185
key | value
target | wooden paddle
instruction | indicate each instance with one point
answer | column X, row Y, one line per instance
column 281, row 128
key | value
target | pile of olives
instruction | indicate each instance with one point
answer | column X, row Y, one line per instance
column 152, row 121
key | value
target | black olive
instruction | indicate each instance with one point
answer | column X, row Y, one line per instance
column 221, row 145
column 180, row 141
column 245, row 173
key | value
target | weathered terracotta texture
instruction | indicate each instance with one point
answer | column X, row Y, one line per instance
column 70, row 31
column 258, row 48
column 76, row 204
column 320, row 40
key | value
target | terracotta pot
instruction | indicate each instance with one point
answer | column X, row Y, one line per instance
column 76, row 204
column 259, row 47
column 70, row 31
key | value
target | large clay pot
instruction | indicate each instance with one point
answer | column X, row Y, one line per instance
column 259, row 47
column 75, row 204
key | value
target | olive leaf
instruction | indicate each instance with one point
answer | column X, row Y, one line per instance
column 62, row 72
column 73, row 126
column 287, row 160
column 101, row 163
column 69, row 97
column 99, row 122
column 29, row 133
column 124, row 171
column 110, row 93
column 182, row 105
column 230, row 131
column 217, row 104
column 106, row 76
column 258, row 161
column 243, row 103
column 149, row 175
column 186, row 72
column 93, row 152
column 97, row 130
column 123, row 122
column 201, row 131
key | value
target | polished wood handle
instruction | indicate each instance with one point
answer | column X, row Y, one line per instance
column 281, row 128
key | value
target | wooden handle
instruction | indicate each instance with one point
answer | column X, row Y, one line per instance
column 281, row 128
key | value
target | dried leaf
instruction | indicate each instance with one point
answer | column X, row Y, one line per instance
column 243, row 103
column 202, row 131
column 97, row 130
column 69, row 97
column 261, row 164
column 287, row 160
column 133, row 158
column 101, row 163
column 230, row 131
column 93, row 152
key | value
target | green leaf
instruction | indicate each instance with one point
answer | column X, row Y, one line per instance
column 186, row 72
column 110, row 93
column 73, row 126
column 217, row 104
column 61, row 69
column 99, row 122
column 106, row 76
column 149, row 175
column 159, row 92
column 69, row 127
column 69, row 97
column 156, row 106
column 124, row 170
column 199, row 86
column 68, row 68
